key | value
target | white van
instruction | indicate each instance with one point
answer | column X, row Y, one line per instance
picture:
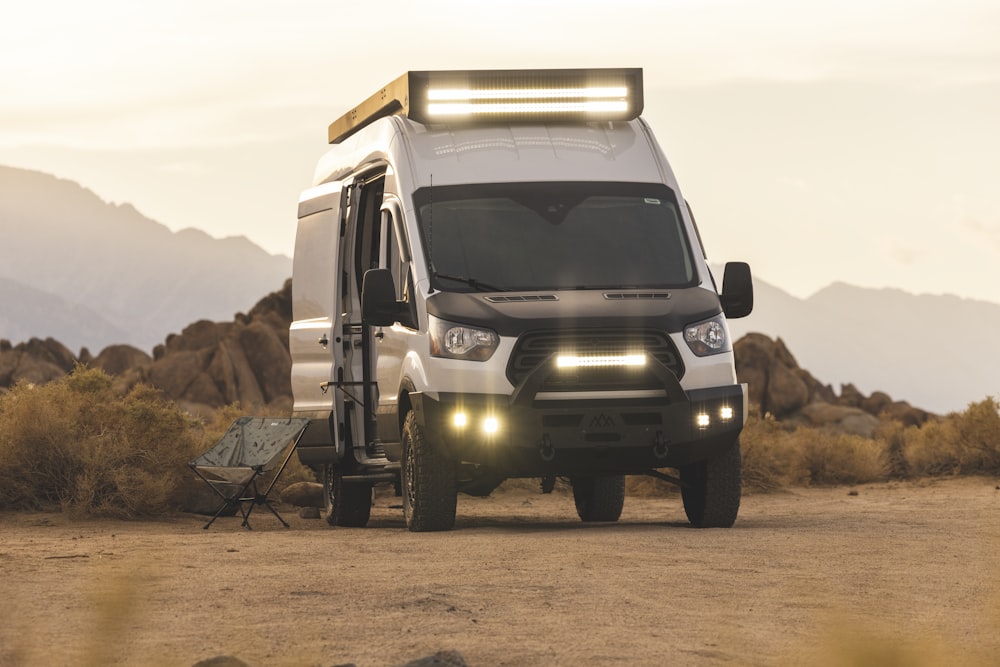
column 496, row 276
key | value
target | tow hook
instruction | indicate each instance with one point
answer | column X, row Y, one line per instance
column 547, row 451
column 660, row 449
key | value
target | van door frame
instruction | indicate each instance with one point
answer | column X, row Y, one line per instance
column 356, row 378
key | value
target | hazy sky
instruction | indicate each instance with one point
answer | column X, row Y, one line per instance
column 856, row 141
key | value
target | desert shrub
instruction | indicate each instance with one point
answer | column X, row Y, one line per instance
column 979, row 434
column 772, row 458
column 932, row 449
column 961, row 443
column 840, row 458
column 892, row 435
column 75, row 444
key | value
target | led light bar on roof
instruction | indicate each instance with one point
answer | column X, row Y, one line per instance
column 501, row 96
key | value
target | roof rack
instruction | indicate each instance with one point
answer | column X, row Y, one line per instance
column 500, row 96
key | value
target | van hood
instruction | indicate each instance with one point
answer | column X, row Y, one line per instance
column 514, row 313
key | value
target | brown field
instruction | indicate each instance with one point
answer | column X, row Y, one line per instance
column 903, row 572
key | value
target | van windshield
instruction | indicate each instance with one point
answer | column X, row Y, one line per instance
column 552, row 236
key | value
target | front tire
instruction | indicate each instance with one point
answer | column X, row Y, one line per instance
column 430, row 491
column 599, row 498
column 347, row 504
column 711, row 489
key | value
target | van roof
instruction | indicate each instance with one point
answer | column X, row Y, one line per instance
column 615, row 151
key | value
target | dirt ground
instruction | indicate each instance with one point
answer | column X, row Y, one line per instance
column 905, row 569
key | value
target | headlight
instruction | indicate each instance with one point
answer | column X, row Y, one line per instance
column 708, row 337
column 457, row 341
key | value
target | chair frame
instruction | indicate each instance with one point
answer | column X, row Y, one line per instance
column 249, row 495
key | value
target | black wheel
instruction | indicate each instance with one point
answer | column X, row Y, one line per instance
column 711, row 489
column 430, row 492
column 599, row 498
column 346, row 503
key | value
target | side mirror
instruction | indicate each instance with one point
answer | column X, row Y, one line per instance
column 737, row 290
column 378, row 298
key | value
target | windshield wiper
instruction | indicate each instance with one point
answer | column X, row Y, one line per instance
column 471, row 282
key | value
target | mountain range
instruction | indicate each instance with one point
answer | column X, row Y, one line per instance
column 934, row 351
column 89, row 273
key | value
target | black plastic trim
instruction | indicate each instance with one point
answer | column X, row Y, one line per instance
column 577, row 309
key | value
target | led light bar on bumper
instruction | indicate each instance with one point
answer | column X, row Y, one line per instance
column 600, row 361
column 506, row 96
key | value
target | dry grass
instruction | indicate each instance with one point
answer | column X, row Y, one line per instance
column 76, row 445
column 965, row 443
column 772, row 456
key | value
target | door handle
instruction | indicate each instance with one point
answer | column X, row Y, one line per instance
column 379, row 335
column 323, row 340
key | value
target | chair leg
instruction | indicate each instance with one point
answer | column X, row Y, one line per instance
column 227, row 503
column 267, row 504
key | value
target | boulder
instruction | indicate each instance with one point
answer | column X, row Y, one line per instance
column 196, row 497
column 49, row 351
column 198, row 336
column 232, row 373
column 776, row 383
column 174, row 373
column 753, row 359
column 850, row 396
column 117, row 359
column 275, row 311
column 204, row 390
column 269, row 359
column 37, row 361
column 303, row 494
column 786, row 392
column 36, row 371
column 8, row 364
column 876, row 403
column 842, row 418
column 906, row 414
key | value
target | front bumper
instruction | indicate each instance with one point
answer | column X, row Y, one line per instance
column 579, row 437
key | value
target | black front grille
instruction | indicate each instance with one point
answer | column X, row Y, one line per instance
column 534, row 347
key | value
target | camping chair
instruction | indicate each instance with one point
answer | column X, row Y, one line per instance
column 250, row 448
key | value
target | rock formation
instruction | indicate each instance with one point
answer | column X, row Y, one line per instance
column 788, row 393
column 36, row 361
column 211, row 364
column 206, row 366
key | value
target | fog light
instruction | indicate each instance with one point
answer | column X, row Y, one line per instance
column 460, row 420
column 726, row 413
column 702, row 420
column 491, row 425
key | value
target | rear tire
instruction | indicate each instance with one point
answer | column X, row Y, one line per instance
column 347, row 504
column 711, row 489
column 430, row 491
column 599, row 498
